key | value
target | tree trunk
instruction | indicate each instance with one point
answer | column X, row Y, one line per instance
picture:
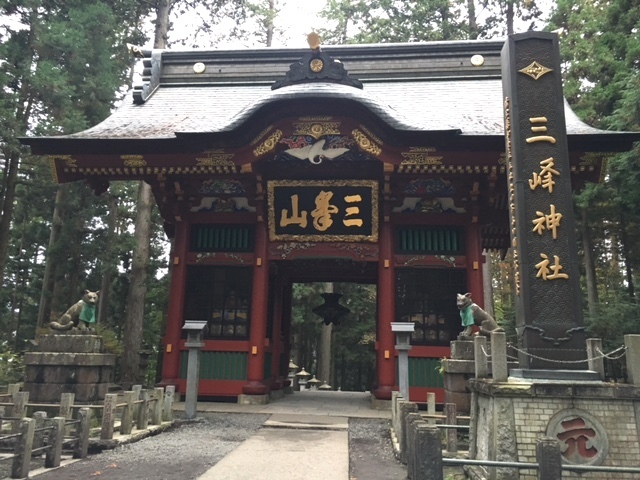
column 589, row 265
column 44, row 308
column 509, row 17
column 12, row 163
column 324, row 354
column 162, row 23
column 625, row 254
column 134, row 314
column 270, row 17
column 473, row 25
column 108, row 262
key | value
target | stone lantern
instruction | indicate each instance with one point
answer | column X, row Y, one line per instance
column 194, row 329
column 403, row 331
column 313, row 383
column 303, row 376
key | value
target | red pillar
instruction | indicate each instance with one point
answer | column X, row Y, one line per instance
column 171, row 340
column 259, row 305
column 385, row 358
column 474, row 262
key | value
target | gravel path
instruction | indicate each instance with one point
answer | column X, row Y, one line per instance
column 190, row 448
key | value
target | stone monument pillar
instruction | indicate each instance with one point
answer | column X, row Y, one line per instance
column 68, row 363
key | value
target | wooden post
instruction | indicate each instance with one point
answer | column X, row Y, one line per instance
column 20, row 400
column 22, row 459
column 594, row 358
column 549, row 459
column 431, row 407
column 136, row 407
column 108, row 414
column 126, row 422
column 480, row 359
column 38, row 437
column 428, row 452
column 156, row 417
column 56, row 438
column 66, row 407
column 167, row 410
column 82, row 432
column 452, row 433
column 143, row 411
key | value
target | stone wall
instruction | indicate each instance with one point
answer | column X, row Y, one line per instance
column 510, row 417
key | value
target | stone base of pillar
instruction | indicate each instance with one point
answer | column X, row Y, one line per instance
column 253, row 399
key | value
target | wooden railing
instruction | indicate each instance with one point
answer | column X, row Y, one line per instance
column 22, row 437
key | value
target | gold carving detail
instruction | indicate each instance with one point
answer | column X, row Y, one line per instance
column 370, row 133
column 317, row 129
column 420, row 156
column 269, row 144
column 133, row 160
column 260, row 135
column 365, row 144
column 512, row 195
column 535, row 70
column 216, row 158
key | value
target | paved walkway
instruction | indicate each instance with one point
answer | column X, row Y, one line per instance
column 308, row 402
column 306, row 437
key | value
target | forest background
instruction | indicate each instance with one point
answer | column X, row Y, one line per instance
column 64, row 65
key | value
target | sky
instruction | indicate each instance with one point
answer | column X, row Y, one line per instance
column 297, row 18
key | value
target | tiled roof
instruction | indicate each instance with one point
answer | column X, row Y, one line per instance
column 413, row 87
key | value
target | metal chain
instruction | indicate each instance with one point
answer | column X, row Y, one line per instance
column 609, row 355
column 602, row 355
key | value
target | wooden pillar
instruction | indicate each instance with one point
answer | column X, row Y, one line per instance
column 259, row 305
column 385, row 358
column 171, row 357
column 276, row 345
column 474, row 261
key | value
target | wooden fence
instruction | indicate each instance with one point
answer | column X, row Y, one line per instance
column 22, row 438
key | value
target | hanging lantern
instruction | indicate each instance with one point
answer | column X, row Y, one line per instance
column 331, row 310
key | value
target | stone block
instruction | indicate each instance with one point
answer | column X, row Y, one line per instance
column 459, row 366
column 70, row 343
column 80, row 359
column 456, row 382
column 553, row 390
column 461, row 400
column 594, row 391
column 51, row 392
column 462, row 349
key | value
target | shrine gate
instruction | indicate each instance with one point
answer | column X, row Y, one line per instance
column 379, row 164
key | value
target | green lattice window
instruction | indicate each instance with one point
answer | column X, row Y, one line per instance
column 222, row 238
column 430, row 240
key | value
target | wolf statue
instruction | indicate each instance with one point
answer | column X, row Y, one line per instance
column 81, row 315
column 472, row 314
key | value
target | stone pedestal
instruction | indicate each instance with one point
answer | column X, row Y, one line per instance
column 594, row 423
column 459, row 369
column 68, row 363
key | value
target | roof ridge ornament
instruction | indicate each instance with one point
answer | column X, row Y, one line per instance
column 316, row 66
